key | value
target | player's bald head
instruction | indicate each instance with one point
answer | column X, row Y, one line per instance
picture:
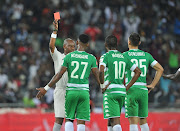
column 68, row 45
column 68, row 40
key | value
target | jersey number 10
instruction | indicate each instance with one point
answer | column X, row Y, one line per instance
column 119, row 70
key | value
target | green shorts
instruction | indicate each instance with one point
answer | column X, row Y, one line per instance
column 77, row 105
column 112, row 104
column 136, row 103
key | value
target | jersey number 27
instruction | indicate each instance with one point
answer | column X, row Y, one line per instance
column 76, row 64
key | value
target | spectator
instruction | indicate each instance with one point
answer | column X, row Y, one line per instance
column 93, row 32
column 173, row 60
column 131, row 22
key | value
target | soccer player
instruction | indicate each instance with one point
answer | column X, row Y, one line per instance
column 78, row 64
column 112, row 71
column 173, row 76
column 136, row 101
column 60, row 90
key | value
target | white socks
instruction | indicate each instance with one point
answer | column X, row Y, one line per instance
column 133, row 127
column 56, row 127
column 144, row 127
column 80, row 127
column 69, row 126
column 117, row 128
column 110, row 128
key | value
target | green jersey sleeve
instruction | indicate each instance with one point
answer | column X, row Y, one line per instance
column 152, row 61
column 65, row 62
column 103, row 61
column 94, row 65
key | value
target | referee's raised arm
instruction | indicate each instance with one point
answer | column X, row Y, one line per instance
column 53, row 36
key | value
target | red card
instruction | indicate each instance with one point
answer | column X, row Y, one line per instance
column 57, row 16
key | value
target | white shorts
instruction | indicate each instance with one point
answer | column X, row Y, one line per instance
column 59, row 102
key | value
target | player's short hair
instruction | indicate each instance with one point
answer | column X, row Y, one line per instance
column 135, row 39
column 84, row 38
column 111, row 41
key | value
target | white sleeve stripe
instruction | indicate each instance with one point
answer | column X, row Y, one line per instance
column 179, row 69
column 153, row 63
column 102, row 63
column 133, row 67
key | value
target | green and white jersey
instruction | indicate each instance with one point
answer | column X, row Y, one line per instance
column 106, row 73
column 115, row 64
column 79, row 64
column 142, row 60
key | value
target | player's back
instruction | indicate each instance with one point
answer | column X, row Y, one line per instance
column 79, row 64
column 115, row 64
column 142, row 60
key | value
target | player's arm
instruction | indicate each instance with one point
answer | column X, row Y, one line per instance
column 54, row 80
column 101, row 78
column 95, row 72
column 58, row 76
column 159, row 71
column 173, row 76
column 53, row 36
column 101, row 74
column 102, row 66
column 94, row 69
column 137, row 72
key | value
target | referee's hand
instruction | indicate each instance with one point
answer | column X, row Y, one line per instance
column 41, row 92
column 55, row 23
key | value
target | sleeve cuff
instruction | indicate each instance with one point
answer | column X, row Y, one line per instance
column 53, row 35
column 102, row 64
column 153, row 63
column 179, row 69
column 102, row 86
column 47, row 87
column 133, row 67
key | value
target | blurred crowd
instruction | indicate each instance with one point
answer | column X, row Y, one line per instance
column 26, row 25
